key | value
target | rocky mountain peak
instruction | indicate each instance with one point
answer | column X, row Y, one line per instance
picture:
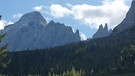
column 77, row 32
column 102, row 31
column 51, row 22
column 101, row 26
column 32, row 18
column 106, row 27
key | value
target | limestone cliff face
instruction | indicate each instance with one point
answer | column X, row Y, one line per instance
column 32, row 32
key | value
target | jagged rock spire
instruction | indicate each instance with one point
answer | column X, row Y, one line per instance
column 101, row 26
column 106, row 27
column 102, row 32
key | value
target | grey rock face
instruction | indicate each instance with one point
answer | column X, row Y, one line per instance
column 128, row 22
column 102, row 32
column 32, row 32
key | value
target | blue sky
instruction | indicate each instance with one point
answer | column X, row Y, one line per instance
column 85, row 15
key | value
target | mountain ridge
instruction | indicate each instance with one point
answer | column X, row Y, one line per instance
column 31, row 32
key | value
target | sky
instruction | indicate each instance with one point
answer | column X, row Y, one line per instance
column 85, row 15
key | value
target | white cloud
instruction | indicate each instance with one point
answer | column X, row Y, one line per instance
column 42, row 9
column 83, row 37
column 55, row 10
column 38, row 8
column 111, row 12
column 59, row 11
column 4, row 23
column 18, row 15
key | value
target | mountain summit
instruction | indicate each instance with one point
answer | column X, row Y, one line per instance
column 128, row 22
column 32, row 18
column 32, row 32
column 102, row 32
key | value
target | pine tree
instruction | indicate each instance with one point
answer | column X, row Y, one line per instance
column 49, row 74
column 3, row 54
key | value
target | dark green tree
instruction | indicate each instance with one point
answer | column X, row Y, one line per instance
column 3, row 54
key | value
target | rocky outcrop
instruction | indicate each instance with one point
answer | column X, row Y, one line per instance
column 102, row 32
column 32, row 32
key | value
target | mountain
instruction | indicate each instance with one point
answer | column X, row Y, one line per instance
column 102, row 32
column 107, row 56
column 127, row 23
column 32, row 32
